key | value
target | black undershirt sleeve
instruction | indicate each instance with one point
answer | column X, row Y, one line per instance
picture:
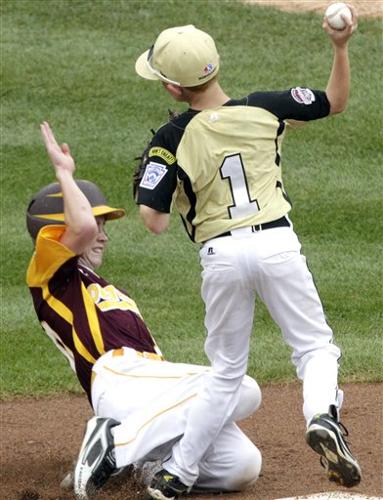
column 160, row 179
column 295, row 104
column 162, row 171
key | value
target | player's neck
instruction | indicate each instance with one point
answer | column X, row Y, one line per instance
column 212, row 97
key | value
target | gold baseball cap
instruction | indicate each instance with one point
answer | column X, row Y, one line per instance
column 183, row 55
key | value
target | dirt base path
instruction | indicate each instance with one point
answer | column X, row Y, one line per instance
column 365, row 8
column 40, row 439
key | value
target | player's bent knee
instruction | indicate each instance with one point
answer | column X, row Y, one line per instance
column 248, row 470
column 250, row 398
column 253, row 393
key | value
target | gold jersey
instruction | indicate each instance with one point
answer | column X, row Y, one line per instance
column 83, row 314
column 221, row 167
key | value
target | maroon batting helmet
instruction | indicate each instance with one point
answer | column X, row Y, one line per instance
column 47, row 206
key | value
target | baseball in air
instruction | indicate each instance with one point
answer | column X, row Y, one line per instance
column 336, row 13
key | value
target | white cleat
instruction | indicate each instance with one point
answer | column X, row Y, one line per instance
column 96, row 461
column 325, row 435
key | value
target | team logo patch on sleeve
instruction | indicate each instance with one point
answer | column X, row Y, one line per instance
column 154, row 172
column 163, row 153
column 303, row 96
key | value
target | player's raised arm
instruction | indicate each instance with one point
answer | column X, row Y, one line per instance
column 338, row 86
column 79, row 219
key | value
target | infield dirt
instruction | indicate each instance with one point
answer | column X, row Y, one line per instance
column 40, row 439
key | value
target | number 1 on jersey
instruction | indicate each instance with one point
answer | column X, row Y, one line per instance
column 232, row 169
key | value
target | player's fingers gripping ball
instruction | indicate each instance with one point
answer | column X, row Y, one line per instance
column 338, row 16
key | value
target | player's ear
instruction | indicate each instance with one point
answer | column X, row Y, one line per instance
column 174, row 90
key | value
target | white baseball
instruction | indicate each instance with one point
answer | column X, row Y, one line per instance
column 335, row 14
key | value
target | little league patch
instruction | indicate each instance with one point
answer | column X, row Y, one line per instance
column 153, row 174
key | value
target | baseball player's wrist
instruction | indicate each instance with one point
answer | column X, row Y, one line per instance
column 340, row 45
column 63, row 175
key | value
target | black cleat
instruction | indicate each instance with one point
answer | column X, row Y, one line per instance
column 96, row 461
column 166, row 486
column 325, row 435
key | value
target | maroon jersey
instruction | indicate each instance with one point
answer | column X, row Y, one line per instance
column 82, row 313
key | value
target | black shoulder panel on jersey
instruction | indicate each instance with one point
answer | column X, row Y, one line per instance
column 296, row 104
column 162, row 162
column 170, row 134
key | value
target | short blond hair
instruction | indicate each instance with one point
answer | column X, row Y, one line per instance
column 202, row 87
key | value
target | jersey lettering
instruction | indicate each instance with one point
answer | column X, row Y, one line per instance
column 108, row 298
column 232, row 169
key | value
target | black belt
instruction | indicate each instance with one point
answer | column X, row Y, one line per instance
column 282, row 222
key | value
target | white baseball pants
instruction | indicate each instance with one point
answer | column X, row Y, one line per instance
column 152, row 398
column 235, row 269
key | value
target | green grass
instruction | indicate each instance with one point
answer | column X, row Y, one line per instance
column 72, row 63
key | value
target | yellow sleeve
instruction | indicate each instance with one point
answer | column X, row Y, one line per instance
column 48, row 257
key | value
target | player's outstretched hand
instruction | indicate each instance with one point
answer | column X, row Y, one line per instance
column 341, row 37
column 60, row 155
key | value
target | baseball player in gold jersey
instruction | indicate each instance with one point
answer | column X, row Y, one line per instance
column 220, row 164
column 140, row 400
